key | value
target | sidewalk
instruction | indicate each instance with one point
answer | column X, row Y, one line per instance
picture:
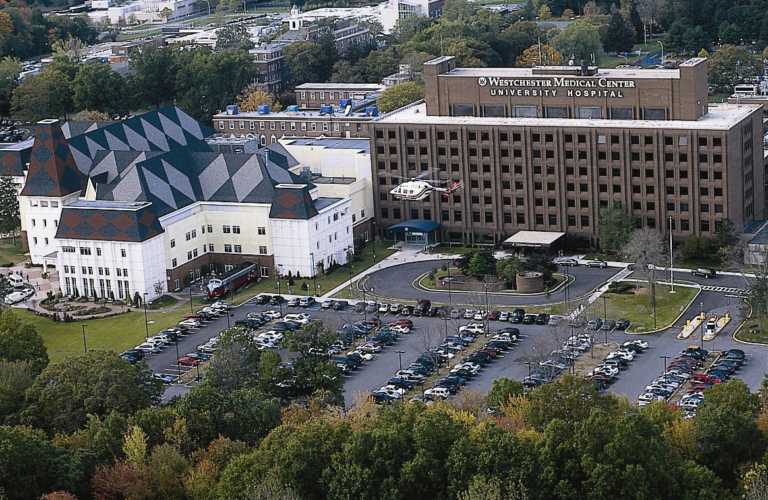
column 405, row 255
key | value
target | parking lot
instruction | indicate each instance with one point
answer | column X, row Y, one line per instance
column 535, row 344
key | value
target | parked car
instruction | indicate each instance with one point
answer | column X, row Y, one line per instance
column 164, row 378
column 263, row 299
column 187, row 361
column 306, row 302
column 294, row 302
column 327, row 304
column 567, row 261
column 608, row 325
column 542, row 319
column 504, row 316
column 622, row 324
column 191, row 323
column 595, row 324
column 529, row 319
column 597, row 263
column 517, row 316
column 704, row 272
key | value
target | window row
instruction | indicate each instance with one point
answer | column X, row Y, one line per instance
column 45, row 223
column 105, row 288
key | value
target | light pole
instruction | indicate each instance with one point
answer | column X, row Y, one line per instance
column 529, row 363
column 209, row 7
column 314, row 273
column 85, row 347
column 190, row 299
column 665, row 358
column 671, row 267
column 662, row 52
column 178, row 365
column 400, row 356
column 279, row 299
column 701, row 318
column 350, row 254
column 365, row 312
column 146, row 321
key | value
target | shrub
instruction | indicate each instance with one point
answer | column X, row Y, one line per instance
column 621, row 287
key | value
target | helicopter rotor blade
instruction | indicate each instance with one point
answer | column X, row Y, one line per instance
column 425, row 174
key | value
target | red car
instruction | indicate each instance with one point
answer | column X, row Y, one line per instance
column 187, row 361
column 494, row 315
column 402, row 322
column 706, row 379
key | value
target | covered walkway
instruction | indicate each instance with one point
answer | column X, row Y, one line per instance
column 416, row 231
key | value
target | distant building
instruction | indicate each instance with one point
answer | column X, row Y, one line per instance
column 345, row 32
column 394, row 10
column 317, row 95
column 274, row 74
column 404, row 75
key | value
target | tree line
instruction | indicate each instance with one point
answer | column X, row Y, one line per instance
column 93, row 427
column 199, row 80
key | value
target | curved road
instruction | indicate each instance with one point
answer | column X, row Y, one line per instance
column 397, row 283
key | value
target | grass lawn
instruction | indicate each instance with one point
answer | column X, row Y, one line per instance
column 117, row 333
column 12, row 254
column 453, row 249
column 326, row 282
column 722, row 97
column 163, row 302
column 637, row 307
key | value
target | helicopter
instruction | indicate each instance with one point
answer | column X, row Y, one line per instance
column 417, row 189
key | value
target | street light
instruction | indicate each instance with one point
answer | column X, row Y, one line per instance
column 209, row 7
column 350, row 254
column 400, row 356
column 701, row 318
column 85, row 347
column 314, row 273
column 529, row 363
column 662, row 52
column 178, row 365
column 665, row 358
column 190, row 299
column 671, row 267
column 146, row 322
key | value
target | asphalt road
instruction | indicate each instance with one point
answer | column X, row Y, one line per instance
column 391, row 284
column 535, row 343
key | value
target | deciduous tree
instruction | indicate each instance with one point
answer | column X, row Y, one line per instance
column 579, row 40
column 614, row 227
column 399, row 95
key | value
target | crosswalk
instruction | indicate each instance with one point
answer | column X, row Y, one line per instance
column 723, row 289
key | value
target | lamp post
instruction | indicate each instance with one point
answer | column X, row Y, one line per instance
column 671, row 268
column 701, row 326
column 190, row 299
column 279, row 302
column 529, row 363
column 662, row 52
column 365, row 312
column 146, row 321
column 487, row 307
column 400, row 357
column 665, row 358
column 209, row 7
column 178, row 365
column 85, row 347
column 349, row 263
column 314, row 273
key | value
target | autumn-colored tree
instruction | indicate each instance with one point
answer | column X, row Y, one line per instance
column 91, row 116
column 680, row 440
column 121, row 480
column 252, row 97
column 591, row 9
column 6, row 26
column 568, row 14
column 58, row 495
column 545, row 13
column 543, row 55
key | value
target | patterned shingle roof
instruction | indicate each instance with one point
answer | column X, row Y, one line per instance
column 14, row 157
column 174, row 180
column 166, row 129
column 98, row 220
column 52, row 168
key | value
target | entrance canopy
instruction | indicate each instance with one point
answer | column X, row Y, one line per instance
column 416, row 231
column 533, row 239
column 415, row 226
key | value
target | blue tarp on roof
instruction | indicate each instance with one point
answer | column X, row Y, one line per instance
column 414, row 225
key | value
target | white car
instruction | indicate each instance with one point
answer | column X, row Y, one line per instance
column 148, row 347
column 410, row 376
column 502, row 338
column 191, row 323
column 504, row 316
column 15, row 297
column 605, row 370
column 649, row 396
column 271, row 336
column 327, row 304
column 212, row 311
column 272, row 314
column 395, row 308
column 469, row 313
column 365, row 356
column 467, row 366
column 660, row 387
column 207, row 348
column 384, row 308
column 480, row 315
column 302, row 319
column 390, row 387
column 471, row 328
column 400, row 329
column 373, row 348
column 391, row 392
column 639, row 343
column 620, row 354
column 439, row 392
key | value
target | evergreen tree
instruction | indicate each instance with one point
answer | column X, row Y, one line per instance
column 619, row 36
column 9, row 205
